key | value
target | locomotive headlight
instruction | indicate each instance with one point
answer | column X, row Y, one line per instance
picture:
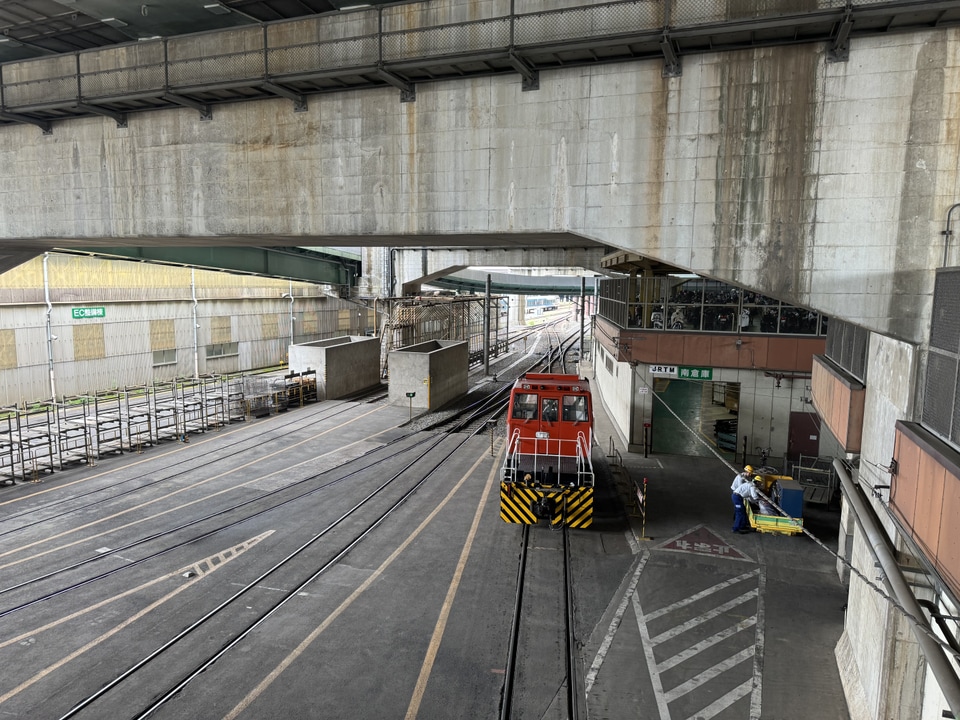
column 542, row 435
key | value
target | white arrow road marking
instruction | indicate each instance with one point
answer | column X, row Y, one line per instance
column 200, row 569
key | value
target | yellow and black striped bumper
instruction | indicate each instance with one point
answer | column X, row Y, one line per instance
column 567, row 506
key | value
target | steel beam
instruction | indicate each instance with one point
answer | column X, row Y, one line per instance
column 293, row 263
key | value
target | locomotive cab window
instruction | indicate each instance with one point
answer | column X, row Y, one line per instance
column 550, row 411
column 525, row 406
column 575, row 408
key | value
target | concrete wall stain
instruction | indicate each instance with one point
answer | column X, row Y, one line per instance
column 660, row 118
column 919, row 201
column 765, row 167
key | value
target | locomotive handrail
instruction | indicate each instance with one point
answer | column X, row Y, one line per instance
column 510, row 457
column 584, row 446
column 581, row 456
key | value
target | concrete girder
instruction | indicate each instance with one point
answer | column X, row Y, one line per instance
column 764, row 210
column 414, row 267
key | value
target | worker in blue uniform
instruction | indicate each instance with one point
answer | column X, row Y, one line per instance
column 741, row 477
column 739, row 512
column 747, row 492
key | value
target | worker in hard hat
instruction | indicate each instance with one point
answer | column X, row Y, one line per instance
column 747, row 492
column 741, row 477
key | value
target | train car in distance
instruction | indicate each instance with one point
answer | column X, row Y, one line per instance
column 537, row 305
column 548, row 472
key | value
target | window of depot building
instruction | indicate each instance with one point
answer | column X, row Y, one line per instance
column 165, row 357
column 692, row 303
column 218, row 350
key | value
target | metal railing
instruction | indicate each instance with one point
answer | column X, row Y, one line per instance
column 547, row 467
column 276, row 52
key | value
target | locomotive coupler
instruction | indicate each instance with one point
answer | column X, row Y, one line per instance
column 543, row 508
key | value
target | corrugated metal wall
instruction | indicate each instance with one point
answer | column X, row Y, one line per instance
column 146, row 332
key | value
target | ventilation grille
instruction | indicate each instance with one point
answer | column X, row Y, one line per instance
column 945, row 323
column 940, row 412
column 847, row 346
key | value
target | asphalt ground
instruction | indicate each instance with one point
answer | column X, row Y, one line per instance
column 677, row 617
column 709, row 623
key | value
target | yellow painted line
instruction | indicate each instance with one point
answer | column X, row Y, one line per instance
column 441, row 625
column 306, row 642
column 176, row 492
column 204, row 568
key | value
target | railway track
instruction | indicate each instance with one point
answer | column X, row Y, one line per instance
column 542, row 677
column 374, row 510
column 380, row 482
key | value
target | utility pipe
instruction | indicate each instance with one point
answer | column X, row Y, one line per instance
column 583, row 314
column 947, row 233
column 290, row 295
column 196, row 325
column 46, row 296
column 932, row 652
column 486, row 328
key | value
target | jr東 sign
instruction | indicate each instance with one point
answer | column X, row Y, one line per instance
column 664, row 370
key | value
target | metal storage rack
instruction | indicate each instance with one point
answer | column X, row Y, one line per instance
column 236, row 407
column 105, row 423
column 190, row 406
column 257, row 399
column 34, row 451
column 163, row 407
column 74, row 443
column 301, row 388
column 8, row 439
column 137, row 417
column 214, row 402
column 82, row 429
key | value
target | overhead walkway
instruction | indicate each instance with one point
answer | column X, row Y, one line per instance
column 474, row 281
column 394, row 46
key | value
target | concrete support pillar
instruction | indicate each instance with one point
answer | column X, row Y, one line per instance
column 375, row 280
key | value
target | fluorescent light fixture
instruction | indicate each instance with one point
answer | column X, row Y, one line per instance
column 217, row 8
column 113, row 22
column 10, row 42
column 355, row 7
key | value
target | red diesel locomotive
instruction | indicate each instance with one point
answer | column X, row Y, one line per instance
column 548, row 472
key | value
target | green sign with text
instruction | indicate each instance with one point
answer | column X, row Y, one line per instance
column 694, row 373
column 85, row 313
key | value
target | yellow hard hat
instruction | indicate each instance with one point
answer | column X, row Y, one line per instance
column 757, row 479
column 748, row 469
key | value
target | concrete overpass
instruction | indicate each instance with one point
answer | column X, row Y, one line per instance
column 812, row 157
column 735, row 164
